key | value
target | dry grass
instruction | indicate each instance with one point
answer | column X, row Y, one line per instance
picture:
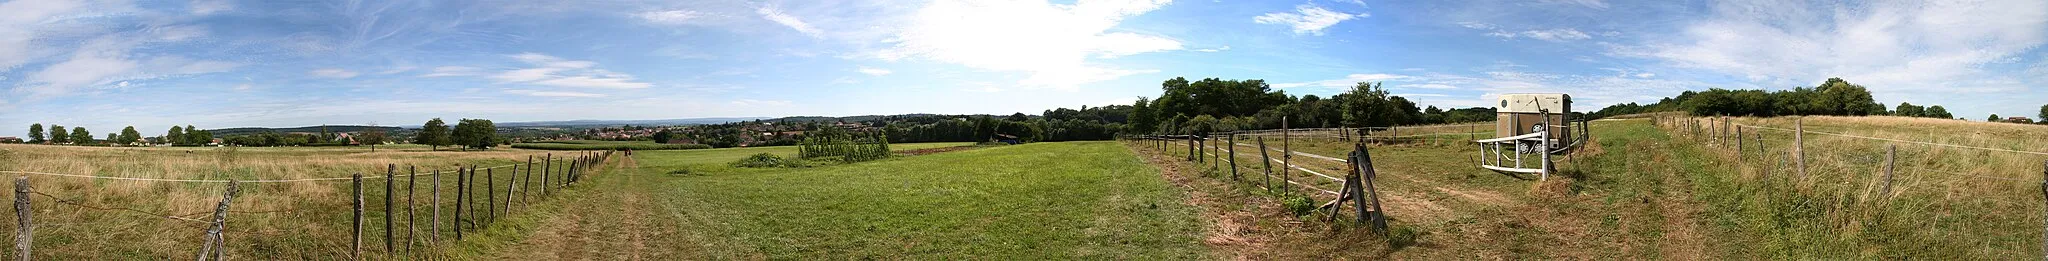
column 298, row 220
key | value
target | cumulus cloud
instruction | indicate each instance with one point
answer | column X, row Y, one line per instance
column 777, row 16
column 1307, row 19
column 1055, row 48
column 333, row 73
column 1889, row 46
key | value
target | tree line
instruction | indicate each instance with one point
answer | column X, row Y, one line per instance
column 1834, row 97
column 80, row 136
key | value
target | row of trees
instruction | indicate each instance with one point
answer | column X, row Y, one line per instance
column 1832, row 97
column 468, row 133
column 1225, row 105
column 80, row 136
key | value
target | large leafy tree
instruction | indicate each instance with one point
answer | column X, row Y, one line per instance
column 58, row 134
column 1145, row 120
column 1938, row 112
column 128, row 135
column 372, row 137
column 80, row 136
column 1369, row 105
column 433, row 134
column 192, row 136
column 1907, row 109
column 2044, row 114
column 176, row 136
column 35, row 131
column 475, row 134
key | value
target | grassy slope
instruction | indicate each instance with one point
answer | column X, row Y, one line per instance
column 1088, row 200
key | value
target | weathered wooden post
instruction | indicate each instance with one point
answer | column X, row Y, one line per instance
column 490, row 196
column 356, row 252
column 412, row 229
column 461, row 185
column 1799, row 137
column 528, row 185
column 1191, row 147
column 434, row 230
column 1286, row 155
column 1266, row 163
column 547, row 164
column 390, row 181
column 24, row 221
column 1364, row 165
column 511, row 186
column 1890, row 152
column 1232, row 142
column 215, row 245
column 2044, row 195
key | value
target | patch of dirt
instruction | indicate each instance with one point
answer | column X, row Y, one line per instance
column 926, row 151
column 1234, row 231
column 1482, row 197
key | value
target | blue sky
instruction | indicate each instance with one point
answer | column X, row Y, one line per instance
column 221, row 63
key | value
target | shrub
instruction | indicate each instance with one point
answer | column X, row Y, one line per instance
column 1298, row 205
column 769, row 160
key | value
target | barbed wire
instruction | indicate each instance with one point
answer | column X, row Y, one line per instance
column 61, row 200
column 429, row 173
column 1898, row 140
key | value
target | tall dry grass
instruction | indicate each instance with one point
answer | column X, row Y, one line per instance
column 296, row 220
column 1980, row 203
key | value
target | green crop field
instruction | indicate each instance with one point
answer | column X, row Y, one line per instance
column 605, row 145
column 1074, row 200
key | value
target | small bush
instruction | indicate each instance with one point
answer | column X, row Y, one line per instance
column 1298, row 205
column 769, row 160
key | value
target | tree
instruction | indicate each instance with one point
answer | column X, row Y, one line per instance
column 191, row 136
column 203, row 136
column 1994, row 118
column 433, row 134
column 58, row 134
column 1907, row 109
column 80, row 136
column 1018, row 117
column 176, row 136
column 373, row 136
column 1145, row 120
column 128, row 135
column 663, row 136
column 2044, row 114
column 35, row 131
column 1938, row 112
column 475, row 134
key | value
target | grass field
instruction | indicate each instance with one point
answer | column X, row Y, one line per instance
column 1074, row 200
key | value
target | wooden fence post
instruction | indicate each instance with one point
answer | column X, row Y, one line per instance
column 1286, row 155
column 24, row 222
column 390, row 180
column 412, row 229
column 215, row 245
column 510, row 187
column 1232, row 142
column 490, row 197
column 1191, row 147
column 461, row 183
column 356, row 252
column 1267, row 164
column 2044, row 195
column 1889, row 152
column 434, row 230
column 1738, row 144
column 1799, row 137
column 528, row 185
column 547, row 165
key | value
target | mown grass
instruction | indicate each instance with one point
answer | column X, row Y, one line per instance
column 605, row 145
column 1072, row 200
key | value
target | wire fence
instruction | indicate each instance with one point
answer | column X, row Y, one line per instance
column 1844, row 156
column 471, row 182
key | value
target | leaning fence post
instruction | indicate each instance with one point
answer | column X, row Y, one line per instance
column 24, row 225
column 461, row 182
column 1267, row 165
column 547, row 164
column 1799, row 137
column 510, row 187
column 1232, row 142
column 528, row 185
column 390, row 180
column 214, row 246
column 356, row 251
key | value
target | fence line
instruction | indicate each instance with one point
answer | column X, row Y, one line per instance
column 217, row 180
column 1898, row 140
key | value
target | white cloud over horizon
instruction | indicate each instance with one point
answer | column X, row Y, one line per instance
column 1307, row 19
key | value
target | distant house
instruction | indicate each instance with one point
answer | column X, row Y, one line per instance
column 10, row 139
column 1006, row 138
column 344, row 137
column 2018, row 119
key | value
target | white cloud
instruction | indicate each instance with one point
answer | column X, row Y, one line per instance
column 670, row 17
column 18, row 23
column 1055, row 47
column 555, row 94
column 105, row 60
column 873, row 71
column 446, row 71
column 333, row 73
column 1478, row 25
column 1307, row 19
column 1211, row 50
column 1888, row 46
column 1347, row 82
column 777, row 16
column 209, row 7
column 1595, row 4
column 555, row 71
column 1556, row 35
column 753, row 102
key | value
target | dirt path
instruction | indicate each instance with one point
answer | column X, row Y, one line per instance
column 610, row 216
column 1233, row 231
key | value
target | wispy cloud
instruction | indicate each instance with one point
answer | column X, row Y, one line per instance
column 777, row 16
column 670, row 17
column 873, row 71
column 753, row 102
column 333, row 73
column 555, row 94
column 447, row 71
column 1307, row 19
column 555, row 71
column 1055, row 50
